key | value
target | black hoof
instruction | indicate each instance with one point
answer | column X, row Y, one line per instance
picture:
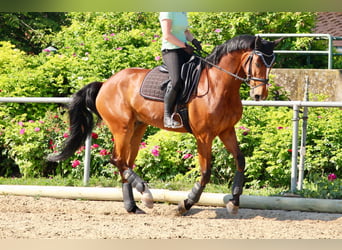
column 136, row 210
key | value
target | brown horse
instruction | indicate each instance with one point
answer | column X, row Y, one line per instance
column 213, row 111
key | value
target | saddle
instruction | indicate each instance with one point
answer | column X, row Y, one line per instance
column 155, row 82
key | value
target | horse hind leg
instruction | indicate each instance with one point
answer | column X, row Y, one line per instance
column 139, row 130
column 123, row 157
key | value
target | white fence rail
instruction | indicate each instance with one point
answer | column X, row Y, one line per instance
column 329, row 51
column 296, row 105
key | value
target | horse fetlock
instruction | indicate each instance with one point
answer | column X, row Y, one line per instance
column 134, row 180
column 238, row 183
column 195, row 193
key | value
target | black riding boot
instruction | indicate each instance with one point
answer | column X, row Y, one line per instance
column 169, row 106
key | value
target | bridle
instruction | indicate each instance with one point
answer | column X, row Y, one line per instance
column 268, row 66
column 264, row 81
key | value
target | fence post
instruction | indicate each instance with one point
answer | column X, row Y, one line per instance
column 302, row 151
column 294, row 147
column 330, row 53
column 87, row 159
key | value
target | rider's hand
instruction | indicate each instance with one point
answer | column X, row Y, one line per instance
column 197, row 44
column 189, row 49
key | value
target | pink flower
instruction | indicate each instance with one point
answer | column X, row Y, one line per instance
column 217, row 30
column 21, row 124
column 187, row 156
column 280, row 127
column 22, row 131
column 94, row 135
column 332, row 177
column 104, row 152
column 65, row 135
column 112, row 34
column 75, row 163
column 143, row 145
column 95, row 146
column 36, row 129
column 155, row 151
column 119, row 48
column 157, row 58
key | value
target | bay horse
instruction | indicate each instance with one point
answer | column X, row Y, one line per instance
column 213, row 111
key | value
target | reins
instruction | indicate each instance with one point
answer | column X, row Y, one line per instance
column 249, row 59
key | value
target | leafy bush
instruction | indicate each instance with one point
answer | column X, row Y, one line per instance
column 166, row 155
column 28, row 142
column 325, row 187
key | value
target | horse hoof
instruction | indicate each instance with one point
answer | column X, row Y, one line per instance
column 147, row 198
column 232, row 209
column 136, row 210
column 181, row 210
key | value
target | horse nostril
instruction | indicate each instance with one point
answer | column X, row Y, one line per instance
column 257, row 97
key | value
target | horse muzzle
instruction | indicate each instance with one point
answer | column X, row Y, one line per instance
column 259, row 92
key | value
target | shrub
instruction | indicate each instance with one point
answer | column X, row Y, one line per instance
column 166, row 155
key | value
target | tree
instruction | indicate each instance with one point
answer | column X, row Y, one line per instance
column 27, row 30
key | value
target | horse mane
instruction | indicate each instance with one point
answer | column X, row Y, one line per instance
column 241, row 42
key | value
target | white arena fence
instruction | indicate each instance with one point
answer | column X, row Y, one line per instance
column 296, row 173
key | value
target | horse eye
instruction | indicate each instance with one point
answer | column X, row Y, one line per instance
column 258, row 65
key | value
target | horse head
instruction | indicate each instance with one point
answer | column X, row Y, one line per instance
column 258, row 65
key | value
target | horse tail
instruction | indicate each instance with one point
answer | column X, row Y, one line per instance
column 81, row 120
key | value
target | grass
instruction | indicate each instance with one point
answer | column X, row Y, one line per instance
column 105, row 182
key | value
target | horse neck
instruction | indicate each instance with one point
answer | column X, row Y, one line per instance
column 224, row 84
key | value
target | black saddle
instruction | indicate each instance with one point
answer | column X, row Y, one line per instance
column 155, row 82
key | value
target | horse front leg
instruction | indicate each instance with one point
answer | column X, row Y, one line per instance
column 229, row 139
column 204, row 155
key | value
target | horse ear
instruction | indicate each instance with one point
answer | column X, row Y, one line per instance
column 276, row 42
column 257, row 42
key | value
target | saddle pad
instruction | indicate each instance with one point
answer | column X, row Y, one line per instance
column 154, row 85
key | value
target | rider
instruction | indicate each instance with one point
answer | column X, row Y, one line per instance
column 175, row 52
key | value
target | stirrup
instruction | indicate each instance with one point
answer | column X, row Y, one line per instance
column 180, row 118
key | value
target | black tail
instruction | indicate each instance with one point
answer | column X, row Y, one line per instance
column 81, row 120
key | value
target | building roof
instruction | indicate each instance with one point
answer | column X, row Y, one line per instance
column 330, row 23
